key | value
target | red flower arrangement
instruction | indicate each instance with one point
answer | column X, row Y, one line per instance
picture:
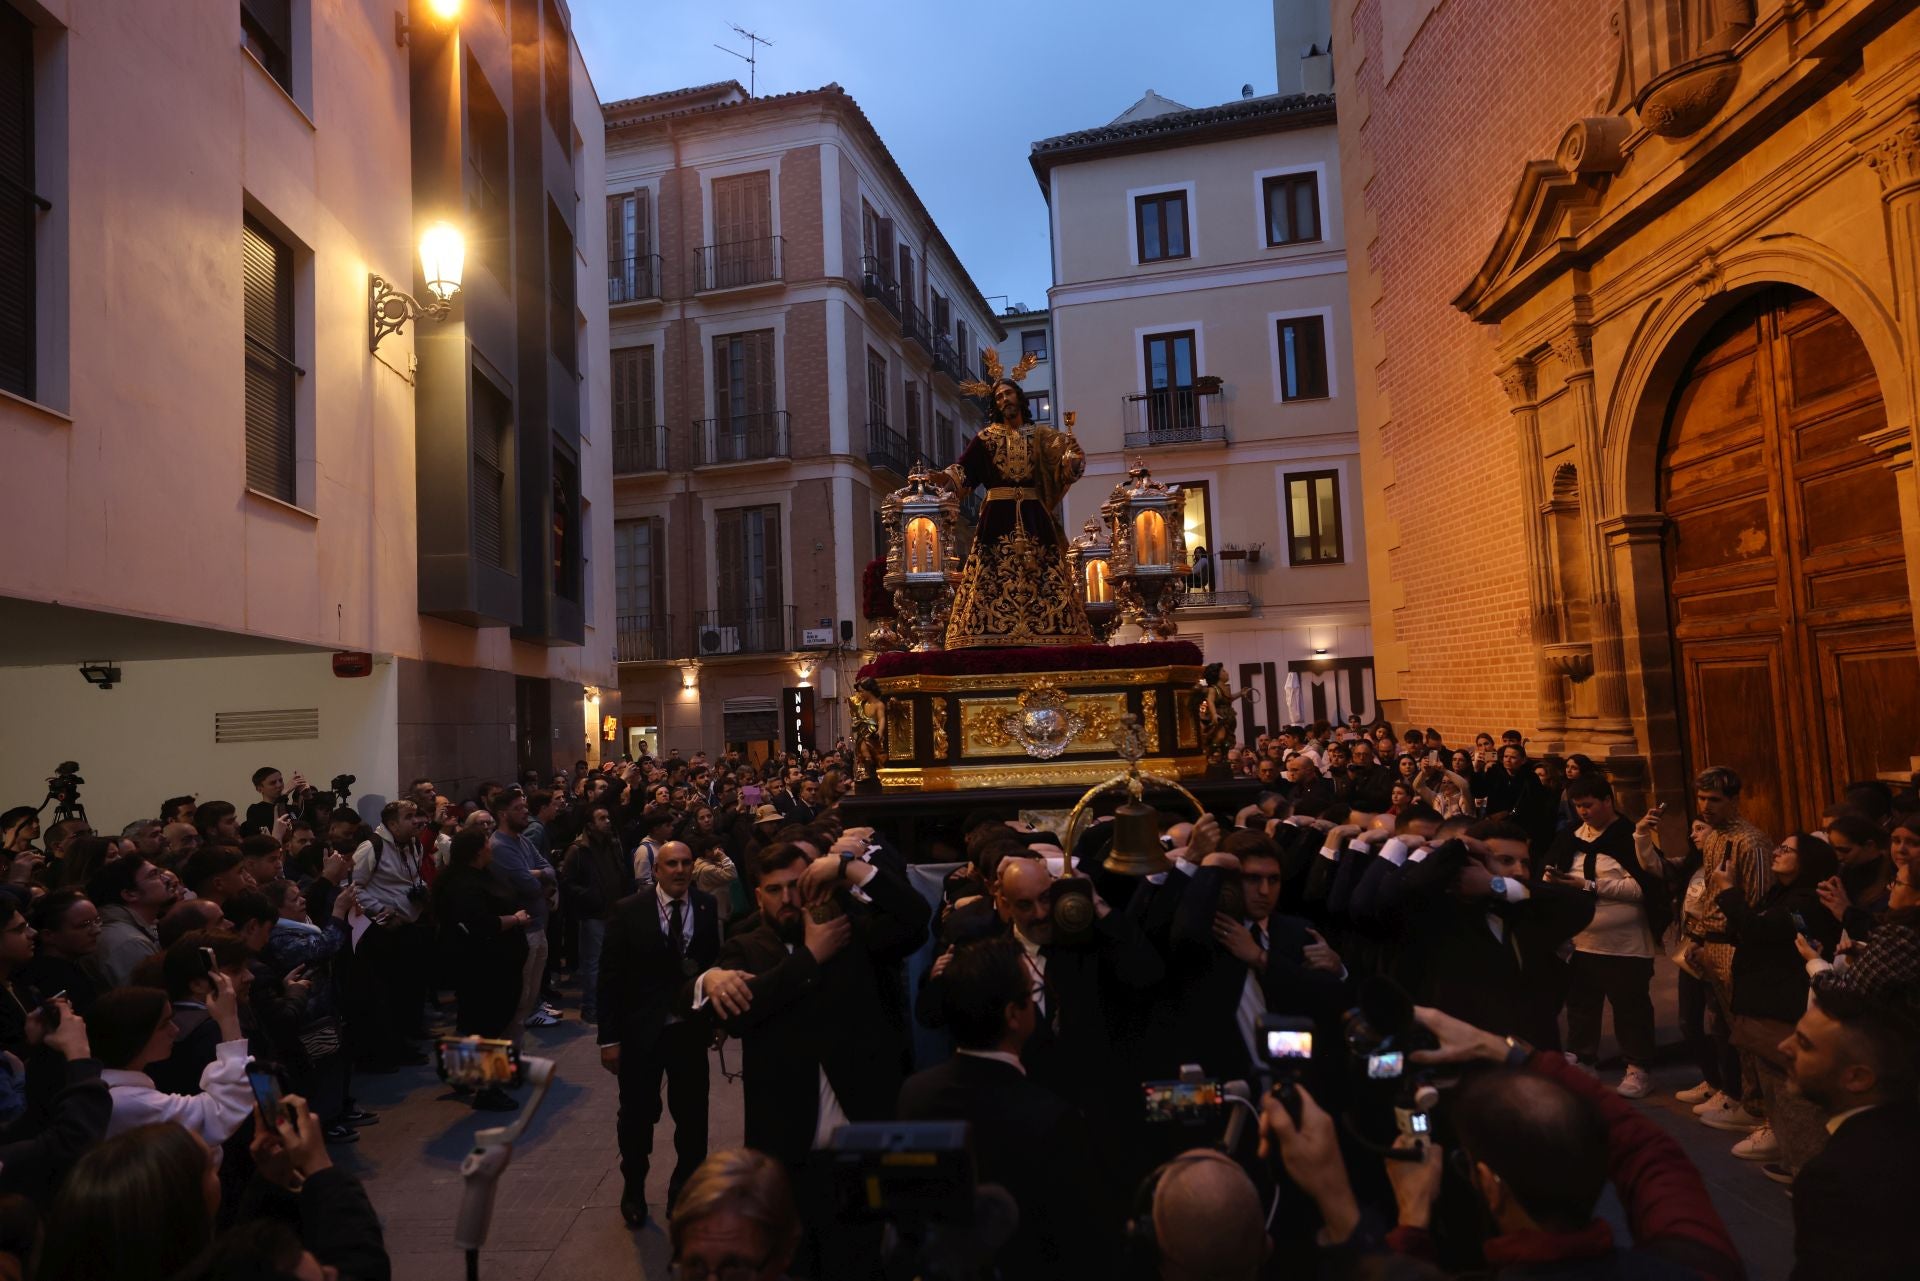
column 876, row 600
column 1068, row 658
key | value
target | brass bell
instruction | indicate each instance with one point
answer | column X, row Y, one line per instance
column 1136, row 842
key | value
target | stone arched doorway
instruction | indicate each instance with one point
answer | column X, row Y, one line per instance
column 1785, row 570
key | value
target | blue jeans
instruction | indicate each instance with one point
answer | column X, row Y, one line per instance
column 593, row 935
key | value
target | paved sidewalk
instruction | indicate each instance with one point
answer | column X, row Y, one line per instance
column 557, row 1215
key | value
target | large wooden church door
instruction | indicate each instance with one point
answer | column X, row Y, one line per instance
column 1786, row 577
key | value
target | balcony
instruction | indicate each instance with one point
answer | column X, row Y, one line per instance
column 1174, row 416
column 633, row 280
column 913, row 323
column 643, row 638
column 638, row 450
column 766, row 630
column 738, row 264
column 742, row 438
column 877, row 282
column 945, row 359
column 887, row 448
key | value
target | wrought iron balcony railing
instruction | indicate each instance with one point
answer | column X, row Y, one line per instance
column 742, row 438
column 644, row 638
column 877, row 282
column 913, row 323
column 633, row 279
column 637, row 450
column 945, row 359
column 760, row 630
column 887, row 448
column 738, row 263
column 1174, row 416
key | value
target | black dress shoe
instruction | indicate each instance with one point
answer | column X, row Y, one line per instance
column 634, row 1214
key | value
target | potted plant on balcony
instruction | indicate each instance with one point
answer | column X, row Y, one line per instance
column 1207, row 385
column 1231, row 551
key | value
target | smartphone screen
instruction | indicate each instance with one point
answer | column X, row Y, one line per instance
column 266, row 1090
column 479, row 1062
column 1183, row 1101
column 1419, row 1122
column 1387, row 1066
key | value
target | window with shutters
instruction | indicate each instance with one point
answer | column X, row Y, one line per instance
column 744, row 250
column 747, row 564
column 1313, row 518
column 1301, row 353
column 1292, row 202
column 916, row 445
column 639, row 586
column 565, row 515
column 20, row 208
column 876, row 388
column 559, row 95
column 746, row 421
column 639, row 444
column 266, row 31
column 947, row 450
column 963, row 343
column 492, row 448
column 1160, row 226
column 906, row 274
column 267, row 283
column 632, row 268
column 487, row 161
column 562, row 336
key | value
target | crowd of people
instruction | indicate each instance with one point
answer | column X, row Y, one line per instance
column 1448, row 929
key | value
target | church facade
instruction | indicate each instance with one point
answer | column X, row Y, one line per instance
column 1636, row 291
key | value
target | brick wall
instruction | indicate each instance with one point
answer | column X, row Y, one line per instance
column 800, row 214
column 1485, row 87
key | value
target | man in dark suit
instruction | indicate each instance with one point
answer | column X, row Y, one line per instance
column 1854, row 1055
column 1025, row 1138
column 812, row 1027
column 1226, row 967
column 657, row 941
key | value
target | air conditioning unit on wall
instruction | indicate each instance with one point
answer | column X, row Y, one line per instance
column 719, row 640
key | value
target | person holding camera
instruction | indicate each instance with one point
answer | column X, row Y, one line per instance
column 483, row 940
column 1538, row 1143
column 391, row 960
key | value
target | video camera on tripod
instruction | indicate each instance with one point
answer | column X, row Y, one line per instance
column 63, row 792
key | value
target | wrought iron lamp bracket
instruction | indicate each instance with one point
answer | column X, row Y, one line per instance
column 389, row 309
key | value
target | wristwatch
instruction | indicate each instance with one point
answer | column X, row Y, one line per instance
column 844, row 860
column 1499, row 886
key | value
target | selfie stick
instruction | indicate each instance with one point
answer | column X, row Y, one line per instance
column 482, row 1168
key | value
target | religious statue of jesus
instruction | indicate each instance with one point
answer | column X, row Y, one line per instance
column 1016, row 587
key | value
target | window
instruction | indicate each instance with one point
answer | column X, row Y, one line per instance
column 746, row 424
column 1160, row 226
column 1172, row 404
column 631, row 272
column 1293, row 207
column 1040, row 406
column 942, row 313
column 267, row 279
column 266, row 31
column 566, row 526
column 639, row 587
column 1196, row 521
column 19, row 207
column 492, row 447
column 747, row 565
column 876, row 388
column 963, row 341
column 916, row 447
column 553, row 42
column 906, row 274
column 1303, row 358
column 637, row 446
column 1033, row 342
column 1313, row 518
column 586, row 560
column 948, row 450
column 487, row 159
column 561, row 335
column 742, row 251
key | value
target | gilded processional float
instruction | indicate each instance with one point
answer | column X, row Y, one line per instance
column 1038, row 665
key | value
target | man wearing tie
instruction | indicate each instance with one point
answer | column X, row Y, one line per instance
column 657, row 941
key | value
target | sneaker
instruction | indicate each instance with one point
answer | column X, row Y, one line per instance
column 359, row 1116
column 1758, row 1146
column 1731, row 1116
column 550, row 1008
column 1778, row 1173
column 1698, row 1094
column 541, row 1018
column 1634, row 1084
column 1710, row 1103
column 341, row 1132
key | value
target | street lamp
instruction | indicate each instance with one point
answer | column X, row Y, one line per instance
column 443, row 256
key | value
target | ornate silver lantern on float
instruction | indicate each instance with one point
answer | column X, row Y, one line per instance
column 1147, row 567
column 1088, row 556
column 922, row 569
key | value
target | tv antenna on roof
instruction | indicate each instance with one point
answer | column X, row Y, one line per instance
column 749, row 56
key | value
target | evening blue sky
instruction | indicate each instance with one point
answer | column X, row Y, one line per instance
column 959, row 92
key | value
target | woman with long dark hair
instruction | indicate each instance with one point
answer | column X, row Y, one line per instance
column 483, row 931
column 1770, row 986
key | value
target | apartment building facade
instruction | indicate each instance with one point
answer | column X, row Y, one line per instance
column 1199, row 317
column 250, row 524
column 788, row 329
column 1030, row 333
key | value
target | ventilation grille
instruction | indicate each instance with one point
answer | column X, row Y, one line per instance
column 283, row 725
